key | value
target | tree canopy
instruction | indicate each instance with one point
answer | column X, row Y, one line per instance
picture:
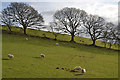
column 24, row 15
column 70, row 20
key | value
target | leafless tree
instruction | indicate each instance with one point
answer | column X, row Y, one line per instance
column 55, row 29
column 70, row 20
column 94, row 27
column 107, row 34
column 25, row 15
column 116, row 35
column 6, row 18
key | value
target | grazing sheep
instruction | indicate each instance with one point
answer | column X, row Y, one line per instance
column 77, row 68
column 72, row 70
column 83, row 70
column 26, row 38
column 42, row 55
column 57, row 44
column 10, row 56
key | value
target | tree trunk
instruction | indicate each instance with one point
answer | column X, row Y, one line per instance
column 94, row 42
column 110, row 45
column 105, row 45
column 72, row 38
column 25, row 30
column 9, row 28
column 55, row 36
column 55, row 39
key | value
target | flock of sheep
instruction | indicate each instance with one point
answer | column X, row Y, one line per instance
column 76, row 69
column 12, row 56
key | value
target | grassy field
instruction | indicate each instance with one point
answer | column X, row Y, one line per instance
column 27, row 63
column 61, row 37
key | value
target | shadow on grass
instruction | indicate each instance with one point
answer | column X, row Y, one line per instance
column 5, row 59
column 78, row 74
column 37, row 57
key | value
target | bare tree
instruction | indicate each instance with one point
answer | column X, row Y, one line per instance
column 55, row 28
column 70, row 19
column 94, row 27
column 107, row 34
column 116, row 35
column 25, row 15
column 6, row 18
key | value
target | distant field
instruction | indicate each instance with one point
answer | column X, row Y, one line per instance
column 98, row 62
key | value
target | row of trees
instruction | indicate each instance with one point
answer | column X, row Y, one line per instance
column 67, row 20
column 75, row 21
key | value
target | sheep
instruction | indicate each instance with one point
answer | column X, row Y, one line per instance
column 10, row 56
column 77, row 68
column 83, row 70
column 72, row 70
column 42, row 55
column 57, row 44
column 26, row 38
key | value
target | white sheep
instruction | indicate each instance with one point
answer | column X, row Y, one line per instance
column 10, row 56
column 26, row 38
column 57, row 44
column 77, row 68
column 42, row 55
column 83, row 70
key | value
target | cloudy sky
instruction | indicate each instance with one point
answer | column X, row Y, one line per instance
column 104, row 8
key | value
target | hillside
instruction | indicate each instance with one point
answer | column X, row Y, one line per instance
column 60, row 37
column 27, row 63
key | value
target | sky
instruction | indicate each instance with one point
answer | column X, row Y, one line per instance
column 107, row 9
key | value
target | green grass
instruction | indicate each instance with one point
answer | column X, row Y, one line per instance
column 61, row 37
column 98, row 62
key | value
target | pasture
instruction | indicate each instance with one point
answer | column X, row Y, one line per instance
column 60, row 37
column 27, row 63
